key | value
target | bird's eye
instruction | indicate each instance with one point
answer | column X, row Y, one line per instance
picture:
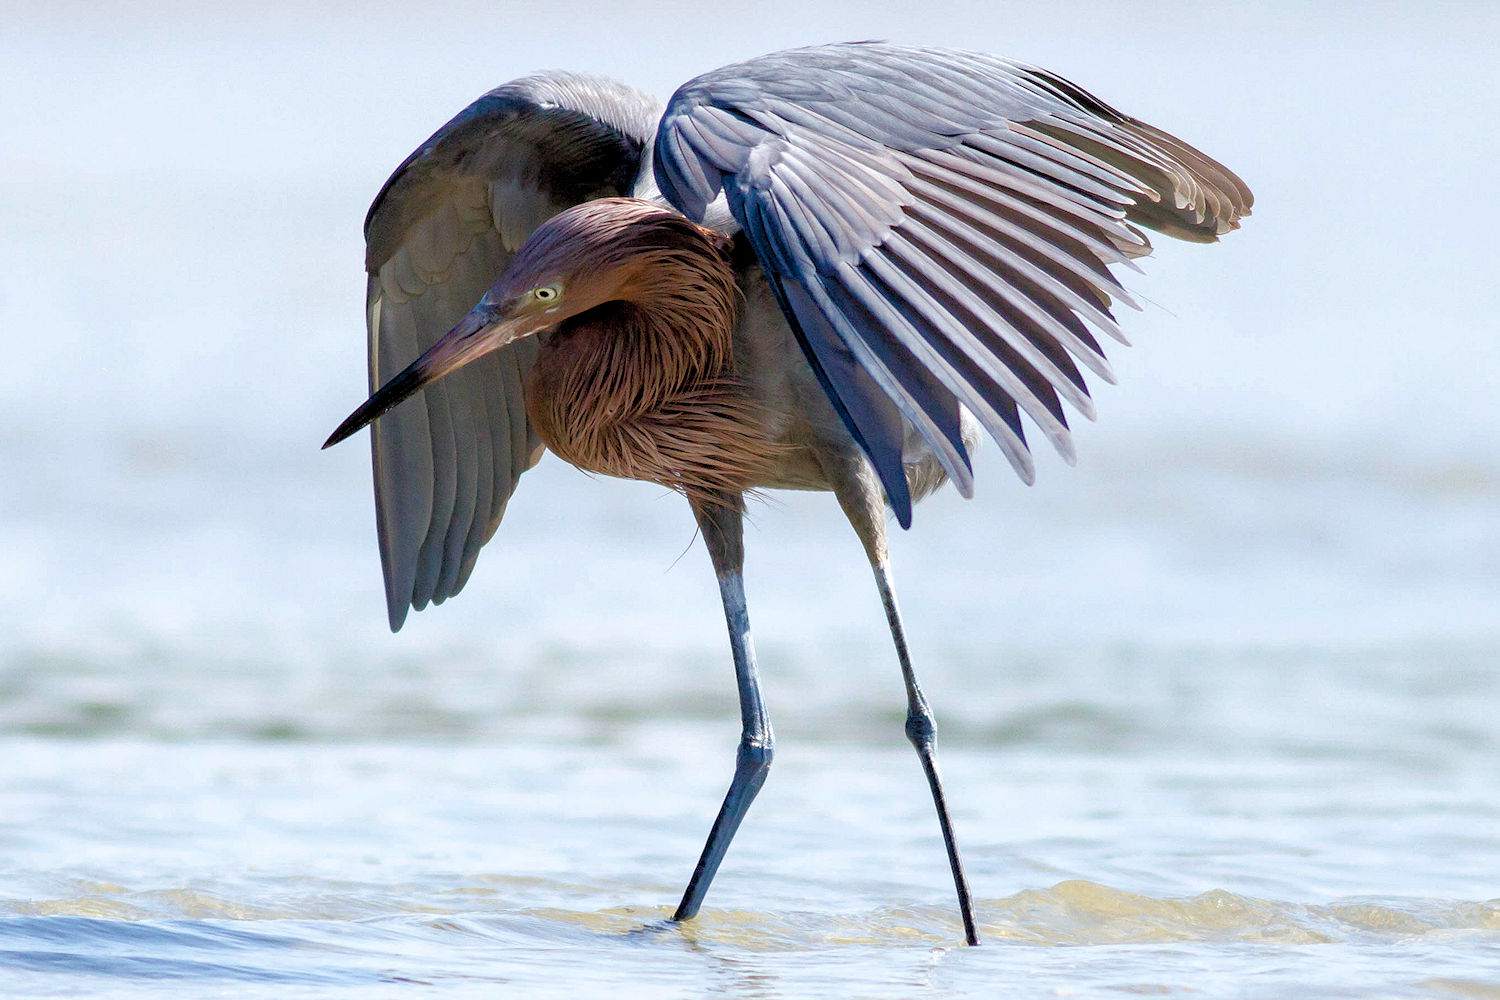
column 547, row 293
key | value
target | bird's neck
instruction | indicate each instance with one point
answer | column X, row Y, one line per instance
column 672, row 327
column 644, row 386
column 681, row 310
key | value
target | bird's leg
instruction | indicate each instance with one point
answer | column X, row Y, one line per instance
column 859, row 493
column 922, row 731
column 724, row 535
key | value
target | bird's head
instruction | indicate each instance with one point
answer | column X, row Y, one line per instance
column 600, row 251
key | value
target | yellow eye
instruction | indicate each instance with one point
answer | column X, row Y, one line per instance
column 547, row 293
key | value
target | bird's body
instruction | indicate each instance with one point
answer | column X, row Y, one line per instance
column 823, row 269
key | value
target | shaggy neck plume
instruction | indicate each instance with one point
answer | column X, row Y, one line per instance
column 670, row 325
column 643, row 387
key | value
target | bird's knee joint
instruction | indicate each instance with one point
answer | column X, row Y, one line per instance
column 756, row 754
column 921, row 730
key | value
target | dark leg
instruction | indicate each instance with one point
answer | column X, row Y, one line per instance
column 859, row 493
column 723, row 534
column 922, row 731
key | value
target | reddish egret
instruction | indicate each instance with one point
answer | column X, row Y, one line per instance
column 824, row 269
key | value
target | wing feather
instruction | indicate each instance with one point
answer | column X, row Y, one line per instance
column 439, row 234
column 939, row 228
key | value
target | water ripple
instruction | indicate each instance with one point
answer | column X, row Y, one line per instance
column 1072, row 912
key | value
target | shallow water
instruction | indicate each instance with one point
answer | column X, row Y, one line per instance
column 347, row 869
column 1204, row 801
column 1217, row 709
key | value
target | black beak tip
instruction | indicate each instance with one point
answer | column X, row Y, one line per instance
column 344, row 431
column 401, row 386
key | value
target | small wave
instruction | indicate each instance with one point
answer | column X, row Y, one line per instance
column 1074, row 913
column 127, row 948
column 1070, row 913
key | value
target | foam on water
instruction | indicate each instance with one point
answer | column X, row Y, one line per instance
column 135, row 939
column 1075, row 912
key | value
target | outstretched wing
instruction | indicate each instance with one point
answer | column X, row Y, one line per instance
column 937, row 227
column 439, row 234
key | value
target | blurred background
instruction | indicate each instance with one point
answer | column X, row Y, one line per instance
column 1248, row 645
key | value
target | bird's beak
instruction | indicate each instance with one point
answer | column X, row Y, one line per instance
column 483, row 330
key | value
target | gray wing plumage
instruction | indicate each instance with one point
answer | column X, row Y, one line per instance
column 439, row 234
column 938, row 226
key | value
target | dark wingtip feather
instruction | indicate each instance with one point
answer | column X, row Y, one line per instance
column 902, row 510
column 397, row 604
